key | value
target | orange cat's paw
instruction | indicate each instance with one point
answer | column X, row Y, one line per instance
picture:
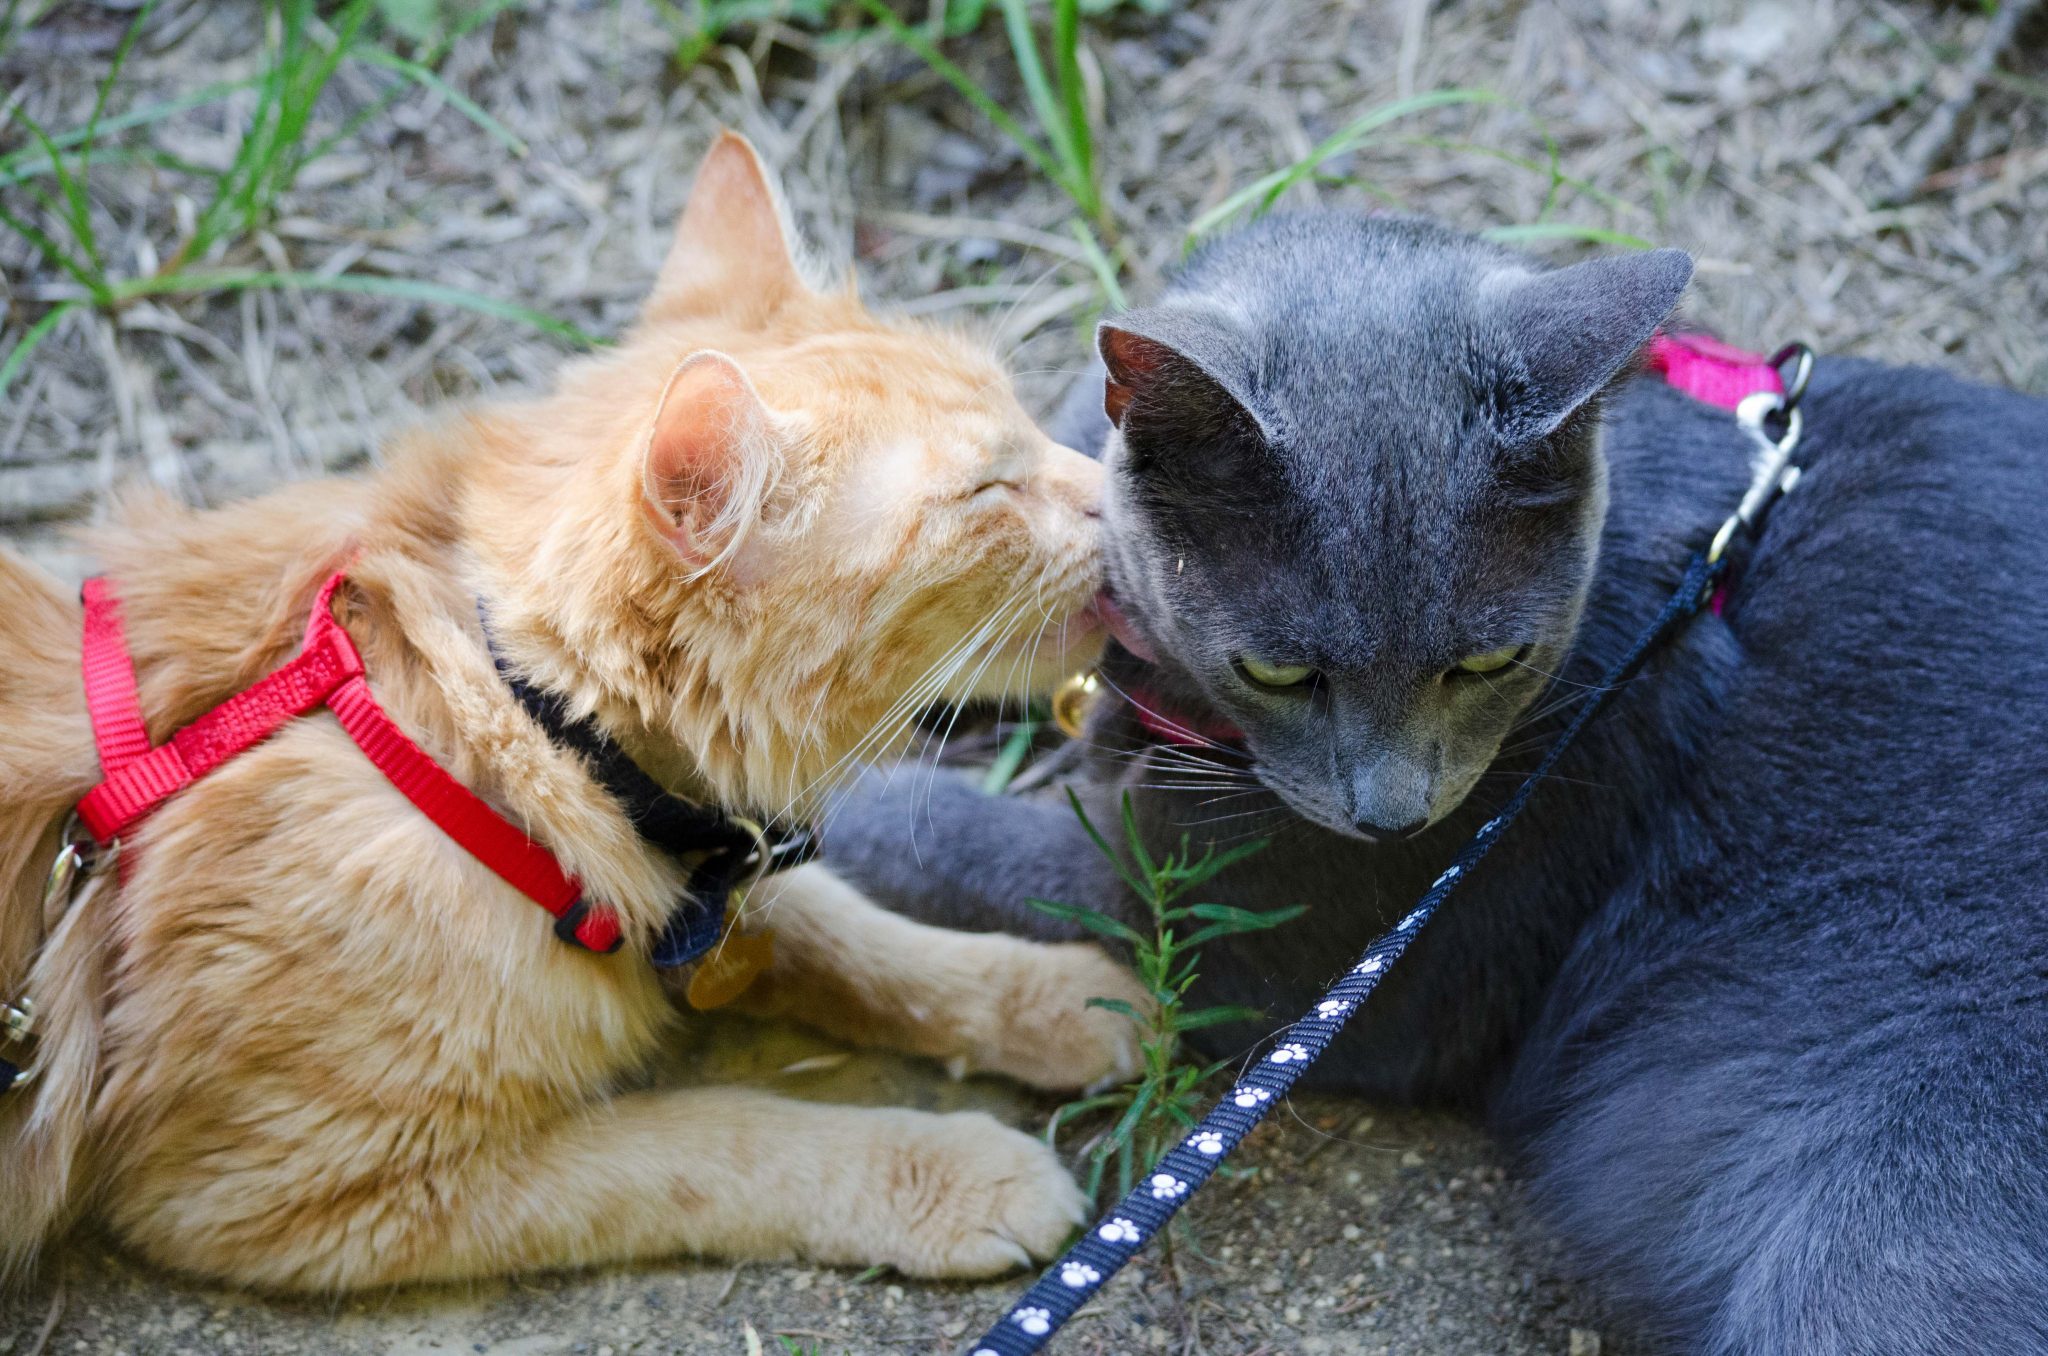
column 968, row 1196
column 1041, row 1028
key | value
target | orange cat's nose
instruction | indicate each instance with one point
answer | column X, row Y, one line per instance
column 1077, row 480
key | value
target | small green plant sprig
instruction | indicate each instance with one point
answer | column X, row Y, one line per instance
column 1163, row 1101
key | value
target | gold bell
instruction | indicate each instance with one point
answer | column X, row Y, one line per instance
column 1074, row 701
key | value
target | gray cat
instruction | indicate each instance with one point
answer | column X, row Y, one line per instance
column 1758, row 988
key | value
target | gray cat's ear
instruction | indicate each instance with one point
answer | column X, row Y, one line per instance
column 1573, row 329
column 1173, row 365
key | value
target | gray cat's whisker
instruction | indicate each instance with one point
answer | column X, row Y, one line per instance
column 1193, row 736
column 1556, row 679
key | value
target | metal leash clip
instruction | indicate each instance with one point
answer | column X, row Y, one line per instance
column 78, row 860
column 1773, row 420
column 17, row 1028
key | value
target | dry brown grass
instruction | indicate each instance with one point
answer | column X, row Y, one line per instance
column 1757, row 135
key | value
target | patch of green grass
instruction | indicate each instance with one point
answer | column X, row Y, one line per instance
column 1257, row 197
column 1063, row 147
column 1061, row 143
column 1148, row 1114
column 1262, row 194
column 46, row 187
column 699, row 25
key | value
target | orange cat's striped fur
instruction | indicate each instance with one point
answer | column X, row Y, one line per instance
column 308, row 1043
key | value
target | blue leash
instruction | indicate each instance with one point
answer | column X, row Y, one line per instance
column 1117, row 1237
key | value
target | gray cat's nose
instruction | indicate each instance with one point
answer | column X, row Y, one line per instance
column 1391, row 796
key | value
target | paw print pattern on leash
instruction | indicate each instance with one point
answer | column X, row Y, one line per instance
column 1249, row 1097
column 1371, row 965
column 1120, row 1230
column 1167, row 1187
column 1034, row 1320
column 1206, row 1142
column 1079, row 1275
column 1294, row 1052
column 1330, row 1009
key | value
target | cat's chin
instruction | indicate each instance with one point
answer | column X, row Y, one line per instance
column 1352, row 831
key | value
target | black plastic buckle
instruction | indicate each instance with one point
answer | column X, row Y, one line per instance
column 572, row 919
column 789, row 849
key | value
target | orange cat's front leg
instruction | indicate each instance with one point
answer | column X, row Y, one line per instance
column 735, row 1173
column 979, row 1001
column 718, row 1172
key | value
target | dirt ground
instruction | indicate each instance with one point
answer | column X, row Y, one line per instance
column 1761, row 135
column 1360, row 1230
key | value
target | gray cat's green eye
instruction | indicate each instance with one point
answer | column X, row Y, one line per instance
column 1490, row 662
column 1275, row 675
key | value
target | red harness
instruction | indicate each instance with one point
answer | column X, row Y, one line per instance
column 1706, row 369
column 328, row 672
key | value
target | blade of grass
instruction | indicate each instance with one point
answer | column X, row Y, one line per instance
column 1136, row 882
column 76, row 209
column 1264, row 191
column 47, row 246
column 270, row 156
column 24, row 163
column 1224, row 921
column 99, row 103
column 1600, row 195
column 1147, row 868
column 110, row 156
column 1066, row 48
column 1563, row 230
column 19, row 354
column 1101, row 265
column 460, row 102
column 1045, row 104
column 1092, row 919
column 1009, row 759
column 1034, row 150
column 436, row 294
column 1195, row 1021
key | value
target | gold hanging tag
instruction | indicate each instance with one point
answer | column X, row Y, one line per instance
column 730, row 968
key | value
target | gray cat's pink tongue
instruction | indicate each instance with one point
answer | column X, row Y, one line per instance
column 1120, row 626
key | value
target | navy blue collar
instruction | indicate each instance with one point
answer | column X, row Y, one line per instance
column 719, row 850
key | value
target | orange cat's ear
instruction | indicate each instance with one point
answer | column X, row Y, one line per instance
column 710, row 460
column 731, row 252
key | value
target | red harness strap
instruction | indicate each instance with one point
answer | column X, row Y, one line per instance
column 328, row 672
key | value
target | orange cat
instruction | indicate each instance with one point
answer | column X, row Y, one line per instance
column 303, row 1040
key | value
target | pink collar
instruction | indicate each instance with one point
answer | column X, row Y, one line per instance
column 1710, row 371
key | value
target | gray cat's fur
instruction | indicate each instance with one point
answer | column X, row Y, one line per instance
column 1758, row 988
